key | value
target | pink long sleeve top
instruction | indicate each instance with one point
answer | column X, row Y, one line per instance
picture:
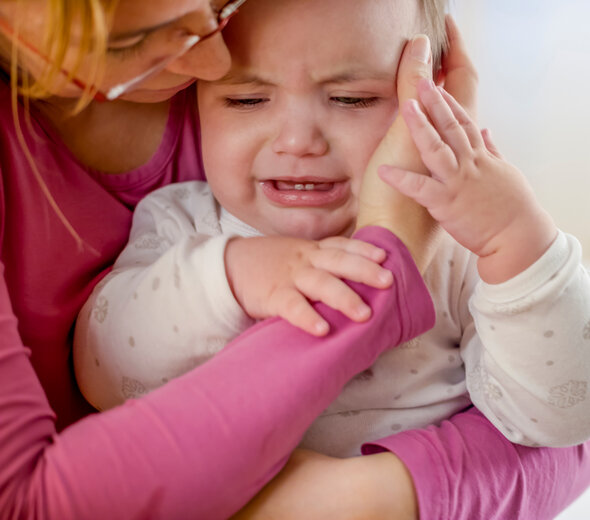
column 205, row 443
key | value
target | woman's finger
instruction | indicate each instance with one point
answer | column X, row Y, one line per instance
column 415, row 64
column 460, row 76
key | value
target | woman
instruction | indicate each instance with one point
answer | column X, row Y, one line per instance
column 73, row 168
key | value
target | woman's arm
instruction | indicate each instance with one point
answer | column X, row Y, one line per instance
column 205, row 443
column 465, row 468
column 461, row 470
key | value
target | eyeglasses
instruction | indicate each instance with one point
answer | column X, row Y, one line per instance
column 185, row 44
column 177, row 48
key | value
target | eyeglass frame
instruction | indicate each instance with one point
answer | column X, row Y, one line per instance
column 116, row 91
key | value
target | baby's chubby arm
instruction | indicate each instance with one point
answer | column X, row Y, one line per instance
column 527, row 358
column 277, row 276
column 482, row 200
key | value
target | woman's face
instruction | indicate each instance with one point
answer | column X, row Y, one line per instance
column 143, row 32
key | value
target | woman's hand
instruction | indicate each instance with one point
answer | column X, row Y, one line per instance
column 458, row 75
column 383, row 205
column 317, row 487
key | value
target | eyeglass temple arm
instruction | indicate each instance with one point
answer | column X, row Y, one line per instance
column 230, row 9
column 121, row 88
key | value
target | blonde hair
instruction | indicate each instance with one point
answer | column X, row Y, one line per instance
column 433, row 12
column 92, row 17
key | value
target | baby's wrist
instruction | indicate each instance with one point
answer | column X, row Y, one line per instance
column 517, row 248
column 234, row 252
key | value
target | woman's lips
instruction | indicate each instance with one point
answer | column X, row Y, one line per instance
column 305, row 192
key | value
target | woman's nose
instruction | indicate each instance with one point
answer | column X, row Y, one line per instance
column 300, row 136
column 209, row 59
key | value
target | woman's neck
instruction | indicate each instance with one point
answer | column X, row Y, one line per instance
column 112, row 137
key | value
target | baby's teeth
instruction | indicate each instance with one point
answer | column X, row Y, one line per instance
column 306, row 187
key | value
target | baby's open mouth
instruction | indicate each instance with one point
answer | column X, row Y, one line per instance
column 310, row 192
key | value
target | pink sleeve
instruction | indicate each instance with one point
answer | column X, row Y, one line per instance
column 466, row 469
column 204, row 444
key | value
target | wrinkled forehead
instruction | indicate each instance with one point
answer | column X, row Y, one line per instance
column 295, row 30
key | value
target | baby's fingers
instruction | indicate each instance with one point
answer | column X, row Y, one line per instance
column 489, row 143
column 318, row 285
column 357, row 247
column 467, row 124
column 443, row 118
column 426, row 191
column 297, row 310
column 438, row 157
column 356, row 268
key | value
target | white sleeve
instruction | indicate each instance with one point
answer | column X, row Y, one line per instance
column 166, row 306
column 527, row 352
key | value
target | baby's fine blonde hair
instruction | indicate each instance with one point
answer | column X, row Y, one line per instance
column 91, row 16
column 433, row 12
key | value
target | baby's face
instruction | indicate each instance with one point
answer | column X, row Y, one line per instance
column 288, row 132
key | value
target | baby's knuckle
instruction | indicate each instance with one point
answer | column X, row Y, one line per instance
column 436, row 146
column 417, row 182
column 451, row 125
column 291, row 303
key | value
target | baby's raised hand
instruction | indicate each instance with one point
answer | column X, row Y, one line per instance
column 277, row 276
column 482, row 200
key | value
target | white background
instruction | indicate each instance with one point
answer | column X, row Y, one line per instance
column 533, row 57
